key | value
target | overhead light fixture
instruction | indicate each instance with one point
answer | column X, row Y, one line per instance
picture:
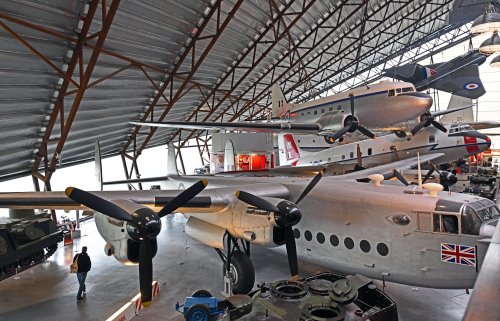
column 490, row 45
column 495, row 62
column 487, row 22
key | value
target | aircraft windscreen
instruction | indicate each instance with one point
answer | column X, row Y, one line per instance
column 476, row 213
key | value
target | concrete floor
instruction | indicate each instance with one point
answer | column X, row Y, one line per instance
column 48, row 291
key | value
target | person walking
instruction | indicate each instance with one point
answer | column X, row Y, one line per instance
column 84, row 265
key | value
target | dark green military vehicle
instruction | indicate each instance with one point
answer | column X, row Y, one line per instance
column 26, row 242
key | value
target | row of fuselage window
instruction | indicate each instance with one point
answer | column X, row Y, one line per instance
column 364, row 245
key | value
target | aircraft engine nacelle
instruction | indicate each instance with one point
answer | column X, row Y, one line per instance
column 332, row 122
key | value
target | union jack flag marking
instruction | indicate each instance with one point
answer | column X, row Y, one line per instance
column 458, row 254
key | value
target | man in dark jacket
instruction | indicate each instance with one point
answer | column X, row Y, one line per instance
column 84, row 266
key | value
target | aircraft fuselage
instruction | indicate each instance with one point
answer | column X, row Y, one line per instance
column 349, row 227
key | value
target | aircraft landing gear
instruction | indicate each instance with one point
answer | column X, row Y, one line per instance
column 237, row 265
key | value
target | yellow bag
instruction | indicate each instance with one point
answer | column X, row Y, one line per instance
column 73, row 268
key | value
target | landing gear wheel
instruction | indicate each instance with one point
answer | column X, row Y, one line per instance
column 242, row 273
column 201, row 294
column 197, row 312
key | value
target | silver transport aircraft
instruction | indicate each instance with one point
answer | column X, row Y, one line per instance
column 356, row 110
column 421, row 237
column 459, row 141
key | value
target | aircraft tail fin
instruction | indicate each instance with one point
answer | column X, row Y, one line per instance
column 98, row 164
column 279, row 103
column 289, row 150
column 171, row 161
column 412, row 72
column 462, row 116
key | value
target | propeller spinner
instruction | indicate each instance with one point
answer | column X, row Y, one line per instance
column 286, row 215
column 143, row 225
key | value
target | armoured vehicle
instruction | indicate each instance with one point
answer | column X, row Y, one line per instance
column 26, row 242
column 322, row 297
column 484, row 184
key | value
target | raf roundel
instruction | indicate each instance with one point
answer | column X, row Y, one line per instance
column 471, row 86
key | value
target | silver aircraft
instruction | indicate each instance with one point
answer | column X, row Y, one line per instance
column 409, row 235
column 360, row 109
column 458, row 141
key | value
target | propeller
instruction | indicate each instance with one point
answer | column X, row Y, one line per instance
column 446, row 178
column 429, row 118
column 143, row 225
column 397, row 174
column 352, row 124
column 286, row 215
column 183, row 197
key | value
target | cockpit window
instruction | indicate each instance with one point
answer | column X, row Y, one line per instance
column 476, row 213
column 392, row 93
column 488, row 213
column 408, row 89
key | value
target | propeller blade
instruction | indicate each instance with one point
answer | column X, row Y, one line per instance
column 417, row 128
column 342, row 131
column 310, row 186
column 146, row 272
column 366, row 132
column 98, row 204
column 351, row 98
column 291, row 251
column 183, row 197
column 400, row 177
column 428, row 175
column 256, row 201
column 388, row 176
column 439, row 126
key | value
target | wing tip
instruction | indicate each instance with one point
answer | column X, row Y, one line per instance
column 204, row 182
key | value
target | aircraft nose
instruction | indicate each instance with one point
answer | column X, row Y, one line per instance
column 419, row 101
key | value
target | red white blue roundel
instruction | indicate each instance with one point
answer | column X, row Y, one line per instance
column 471, row 86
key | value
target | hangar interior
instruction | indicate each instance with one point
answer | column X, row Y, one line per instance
column 76, row 72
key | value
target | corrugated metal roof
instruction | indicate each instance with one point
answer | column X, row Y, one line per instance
column 311, row 44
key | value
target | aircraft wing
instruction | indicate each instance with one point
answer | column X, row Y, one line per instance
column 208, row 201
column 478, row 125
column 401, row 165
column 302, row 128
column 483, row 304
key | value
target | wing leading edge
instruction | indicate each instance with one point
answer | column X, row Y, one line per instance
column 303, row 128
column 208, row 201
column 401, row 165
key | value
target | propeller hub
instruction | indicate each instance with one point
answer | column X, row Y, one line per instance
column 349, row 121
column 146, row 224
column 288, row 214
column 448, row 179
